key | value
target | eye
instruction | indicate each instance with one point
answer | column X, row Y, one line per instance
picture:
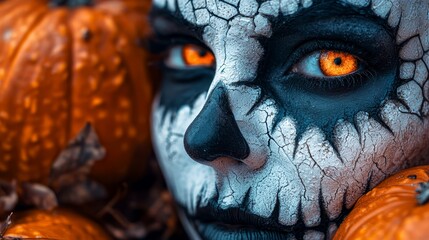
column 189, row 56
column 327, row 63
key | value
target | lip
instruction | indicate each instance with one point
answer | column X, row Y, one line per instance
column 213, row 222
column 239, row 217
column 223, row 231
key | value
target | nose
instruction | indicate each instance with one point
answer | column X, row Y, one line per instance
column 214, row 132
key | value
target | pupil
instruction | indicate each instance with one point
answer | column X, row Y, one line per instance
column 338, row 61
column 202, row 53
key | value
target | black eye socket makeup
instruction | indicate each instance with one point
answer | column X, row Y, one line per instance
column 321, row 101
column 180, row 86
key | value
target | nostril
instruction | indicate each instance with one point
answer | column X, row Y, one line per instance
column 214, row 132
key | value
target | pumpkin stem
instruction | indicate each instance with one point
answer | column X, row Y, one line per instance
column 423, row 193
column 71, row 3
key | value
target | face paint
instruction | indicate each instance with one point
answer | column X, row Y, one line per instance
column 279, row 137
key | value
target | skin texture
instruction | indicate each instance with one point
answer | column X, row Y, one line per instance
column 310, row 155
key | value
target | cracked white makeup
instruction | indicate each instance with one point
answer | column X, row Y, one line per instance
column 263, row 143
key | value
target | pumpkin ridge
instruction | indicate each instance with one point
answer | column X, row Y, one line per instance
column 36, row 22
column 13, row 165
column 370, row 214
column 70, row 76
column 128, row 73
column 402, row 222
column 126, row 65
column 50, row 17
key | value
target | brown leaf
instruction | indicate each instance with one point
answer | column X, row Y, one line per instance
column 133, row 231
column 39, row 195
column 82, row 151
column 81, row 192
column 70, row 173
column 8, row 196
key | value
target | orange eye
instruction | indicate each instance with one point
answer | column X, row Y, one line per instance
column 195, row 56
column 335, row 63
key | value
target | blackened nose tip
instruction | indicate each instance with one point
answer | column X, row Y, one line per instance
column 214, row 132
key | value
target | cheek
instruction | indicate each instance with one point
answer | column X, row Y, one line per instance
column 362, row 154
column 185, row 177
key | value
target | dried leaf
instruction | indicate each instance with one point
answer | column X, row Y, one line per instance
column 82, row 151
column 134, row 231
column 8, row 196
column 82, row 192
column 39, row 195
column 70, row 173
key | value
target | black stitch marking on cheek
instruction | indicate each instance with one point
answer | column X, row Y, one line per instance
column 275, row 214
column 300, row 222
column 379, row 120
column 368, row 182
column 246, row 199
column 217, row 195
column 344, row 210
column 330, row 137
column 324, row 217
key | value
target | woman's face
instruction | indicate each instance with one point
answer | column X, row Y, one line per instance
column 275, row 116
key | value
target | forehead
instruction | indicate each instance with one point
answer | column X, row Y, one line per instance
column 203, row 12
column 410, row 18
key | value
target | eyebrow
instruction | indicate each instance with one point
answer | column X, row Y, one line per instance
column 157, row 11
column 175, row 22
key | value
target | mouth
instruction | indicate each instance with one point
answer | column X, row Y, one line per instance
column 213, row 222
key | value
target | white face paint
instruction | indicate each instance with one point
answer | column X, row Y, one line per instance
column 291, row 176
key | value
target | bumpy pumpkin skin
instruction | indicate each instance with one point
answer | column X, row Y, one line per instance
column 58, row 224
column 62, row 67
column 390, row 210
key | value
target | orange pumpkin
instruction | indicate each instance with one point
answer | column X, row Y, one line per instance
column 63, row 65
column 58, row 224
column 395, row 209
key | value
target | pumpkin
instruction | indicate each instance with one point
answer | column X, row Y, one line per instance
column 58, row 224
column 65, row 63
column 395, row 209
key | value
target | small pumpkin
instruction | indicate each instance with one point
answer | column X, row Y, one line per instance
column 65, row 63
column 397, row 208
column 58, row 224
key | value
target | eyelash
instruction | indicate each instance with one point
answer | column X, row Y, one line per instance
column 161, row 45
column 334, row 85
